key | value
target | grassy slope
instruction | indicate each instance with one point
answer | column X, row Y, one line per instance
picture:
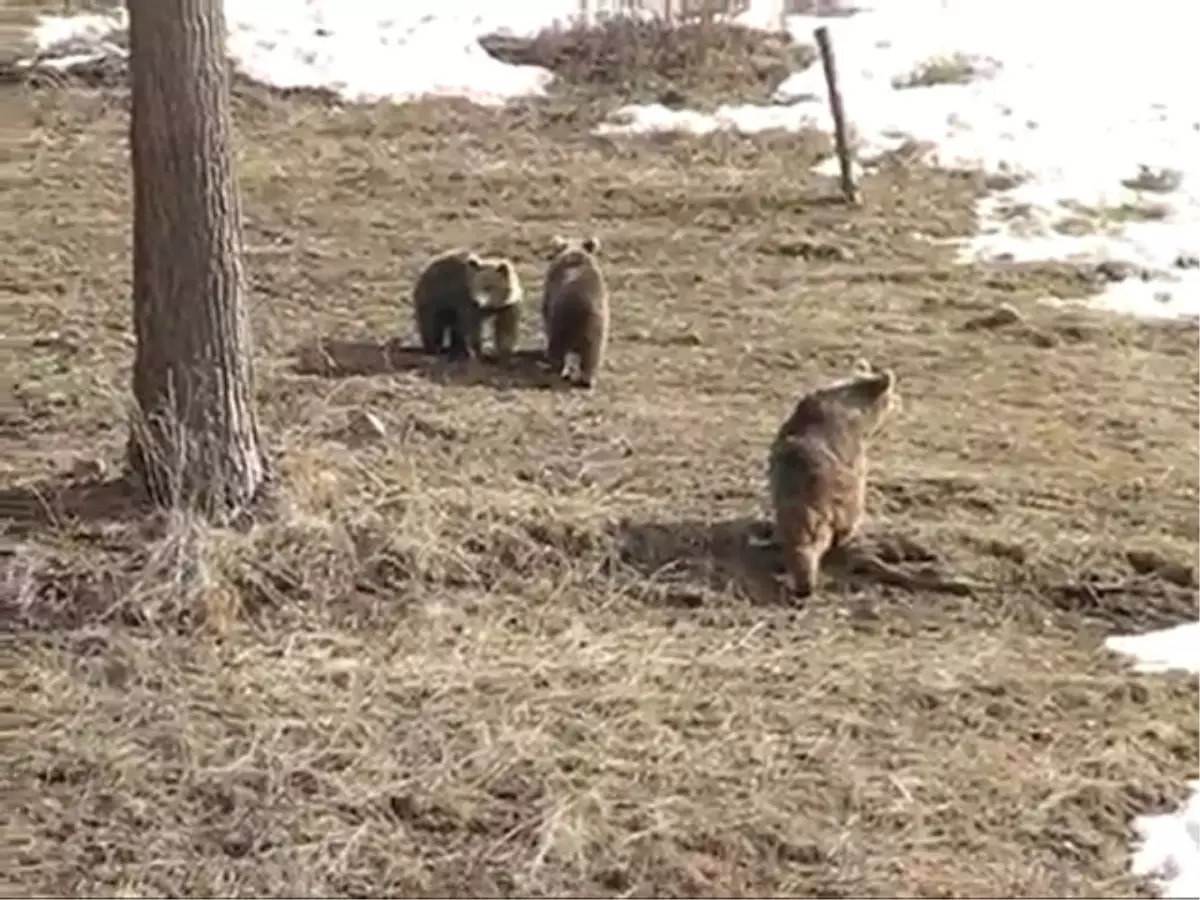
column 522, row 645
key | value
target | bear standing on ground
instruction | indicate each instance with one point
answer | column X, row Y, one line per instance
column 818, row 469
column 456, row 294
column 575, row 309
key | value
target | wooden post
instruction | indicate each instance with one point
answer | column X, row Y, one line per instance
column 841, row 139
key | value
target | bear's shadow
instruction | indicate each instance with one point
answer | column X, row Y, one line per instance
column 340, row 358
column 688, row 559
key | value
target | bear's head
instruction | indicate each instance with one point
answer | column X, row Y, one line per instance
column 868, row 396
column 494, row 281
column 560, row 246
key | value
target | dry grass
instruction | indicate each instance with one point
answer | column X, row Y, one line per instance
column 697, row 64
column 528, row 642
column 1083, row 219
column 953, row 68
column 1154, row 180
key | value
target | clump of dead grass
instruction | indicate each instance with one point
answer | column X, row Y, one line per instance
column 692, row 63
column 328, row 550
column 1156, row 180
column 953, row 68
column 1004, row 180
column 1084, row 219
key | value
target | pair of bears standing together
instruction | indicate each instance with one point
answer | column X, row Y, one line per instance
column 817, row 465
column 459, row 292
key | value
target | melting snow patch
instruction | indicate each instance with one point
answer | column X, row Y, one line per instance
column 94, row 30
column 1170, row 849
column 363, row 51
column 744, row 118
column 376, row 51
column 1161, row 651
column 1170, row 844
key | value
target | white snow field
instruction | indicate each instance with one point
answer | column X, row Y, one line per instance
column 1088, row 107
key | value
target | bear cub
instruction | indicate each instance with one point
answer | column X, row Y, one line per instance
column 575, row 310
column 817, row 469
column 459, row 292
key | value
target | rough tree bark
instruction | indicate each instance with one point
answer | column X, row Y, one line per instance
column 195, row 438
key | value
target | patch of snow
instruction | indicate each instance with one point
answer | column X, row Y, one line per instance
column 363, row 51
column 73, row 61
column 94, row 29
column 399, row 51
column 765, row 15
column 742, row 117
column 1161, row 651
column 1169, row 844
column 1170, row 849
column 68, row 42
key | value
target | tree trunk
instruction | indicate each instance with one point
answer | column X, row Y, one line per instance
column 195, row 439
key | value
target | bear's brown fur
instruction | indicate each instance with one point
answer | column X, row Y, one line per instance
column 457, row 293
column 575, row 309
column 818, row 469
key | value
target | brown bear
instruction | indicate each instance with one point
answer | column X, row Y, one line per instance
column 818, row 469
column 575, row 310
column 457, row 293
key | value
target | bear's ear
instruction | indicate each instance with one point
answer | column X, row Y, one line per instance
column 504, row 267
column 592, row 245
column 558, row 244
column 473, row 261
column 863, row 367
column 868, row 390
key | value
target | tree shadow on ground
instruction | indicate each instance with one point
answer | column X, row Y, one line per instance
column 690, row 559
column 63, row 499
column 337, row 358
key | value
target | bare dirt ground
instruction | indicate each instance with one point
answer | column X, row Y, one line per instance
column 528, row 643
